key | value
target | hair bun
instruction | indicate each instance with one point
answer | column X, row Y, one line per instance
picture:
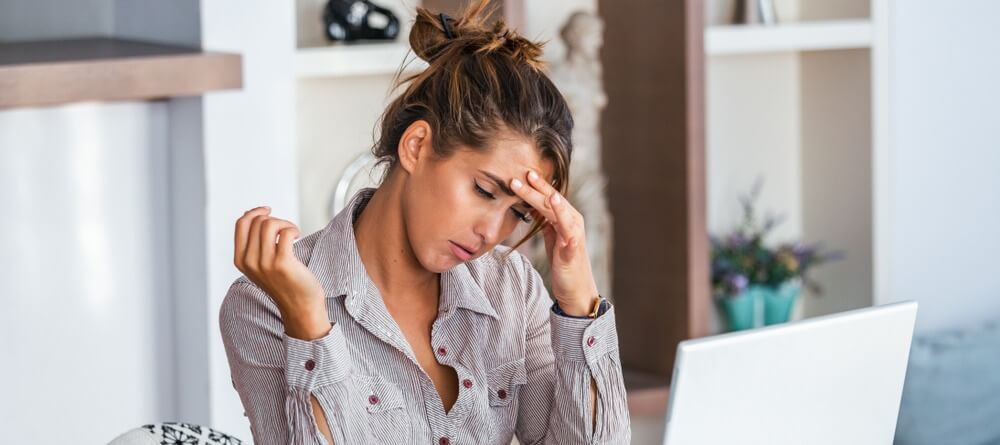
column 427, row 36
column 471, row 34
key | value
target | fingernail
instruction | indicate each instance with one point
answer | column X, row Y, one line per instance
column 515, row 184
column 532, row 175
column 556, row 199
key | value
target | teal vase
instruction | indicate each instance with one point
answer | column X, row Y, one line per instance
column 761, row 306
column 740, row 310
column 779, row 301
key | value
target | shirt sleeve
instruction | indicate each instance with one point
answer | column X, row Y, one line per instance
column 275, row 374
column 562, row 356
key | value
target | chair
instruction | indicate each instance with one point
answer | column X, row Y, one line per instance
column 171, row 433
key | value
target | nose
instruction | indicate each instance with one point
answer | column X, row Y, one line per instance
column 490, row 228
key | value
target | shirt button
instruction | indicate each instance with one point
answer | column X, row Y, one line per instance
column 373, row 399
column 310, row 365
column 467, row 383
column 444, row 441
column 502, row 394
column 591, row 341
column 442, row 351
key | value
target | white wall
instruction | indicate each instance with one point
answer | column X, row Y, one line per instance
column 837, row 175
column 753, row 133
column 943, row 186
column 86, row 327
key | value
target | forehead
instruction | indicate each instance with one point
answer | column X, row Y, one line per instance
column 507, row 157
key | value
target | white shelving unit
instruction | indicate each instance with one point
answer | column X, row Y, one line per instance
column 364, row 59
column 805, row 36
column 798, row 104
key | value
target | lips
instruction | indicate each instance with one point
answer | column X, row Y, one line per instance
column 462, row 252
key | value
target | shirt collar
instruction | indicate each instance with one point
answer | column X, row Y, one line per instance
column 335, row 260
column 459, row 288
column 337, row 265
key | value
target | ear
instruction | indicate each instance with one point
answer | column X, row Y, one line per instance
column 415, row 145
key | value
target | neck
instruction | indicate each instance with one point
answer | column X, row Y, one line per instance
column 385, row 248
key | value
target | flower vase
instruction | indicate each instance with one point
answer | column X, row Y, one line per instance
column 779, row 301
column 742, row 310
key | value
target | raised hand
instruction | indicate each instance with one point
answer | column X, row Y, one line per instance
column 263, row 252
column 573, row 283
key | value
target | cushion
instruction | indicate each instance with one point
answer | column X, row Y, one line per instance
column 952, row 389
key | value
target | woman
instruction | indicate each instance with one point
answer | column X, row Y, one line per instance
column 403, row 321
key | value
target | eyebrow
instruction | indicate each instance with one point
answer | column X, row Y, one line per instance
column 503, row 186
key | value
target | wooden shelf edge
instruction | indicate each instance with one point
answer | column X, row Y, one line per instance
column 801, row 36
column 46, row 73
column 647, row 393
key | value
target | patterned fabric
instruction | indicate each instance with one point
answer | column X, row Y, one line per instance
column 174, row 433
column 521, row 369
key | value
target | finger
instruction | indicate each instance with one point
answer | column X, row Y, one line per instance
column 550, row 237
column 252, row 257
column 533, row 197
column 559, row 212
column 567, row 221
column 268, row 240
column 545, row 189
column 286, row 240
column 242, row 232
column 539, row 183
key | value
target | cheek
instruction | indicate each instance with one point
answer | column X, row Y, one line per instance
column 438, row 212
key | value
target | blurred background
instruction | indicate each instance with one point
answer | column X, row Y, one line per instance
column 724, row 149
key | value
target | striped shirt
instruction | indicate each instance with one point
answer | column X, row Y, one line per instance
column 522, row 369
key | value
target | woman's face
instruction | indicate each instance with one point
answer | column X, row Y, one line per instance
column 458, row 208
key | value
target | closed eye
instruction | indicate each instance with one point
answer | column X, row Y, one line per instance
column 518, row 214
column 483, row 192
column 521, row 216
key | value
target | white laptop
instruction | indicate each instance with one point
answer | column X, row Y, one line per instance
column 835, row 379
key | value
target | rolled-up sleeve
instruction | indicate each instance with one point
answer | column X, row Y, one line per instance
column 562, row 356
column 275, row 374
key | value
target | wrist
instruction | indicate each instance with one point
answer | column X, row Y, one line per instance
column 306, row 324
column 580, row 307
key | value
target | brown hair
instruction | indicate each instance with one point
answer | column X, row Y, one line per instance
column 480, row 81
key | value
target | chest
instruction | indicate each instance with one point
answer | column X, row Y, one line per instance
column 416, row 327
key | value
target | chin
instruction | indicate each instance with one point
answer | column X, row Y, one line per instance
column 439, row 262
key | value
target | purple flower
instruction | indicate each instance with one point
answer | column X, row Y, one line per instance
column 735, row 283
